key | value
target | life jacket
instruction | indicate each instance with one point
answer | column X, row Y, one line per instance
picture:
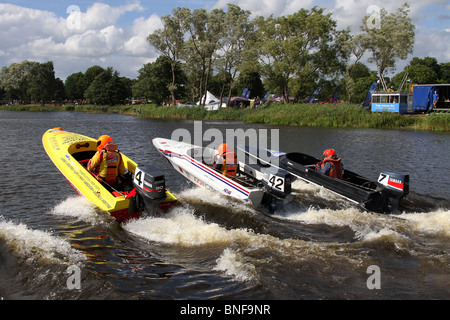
column 109, row 159
column 336, row 167
column 229, row 164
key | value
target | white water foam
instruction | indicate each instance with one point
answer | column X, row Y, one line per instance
column 300, row 186
column 433, row 223
column 33, row 245
column 367, row 225
column 181, row 227
column 81, row 209
column 233, row 263
column 244, row 249
column 198, row 194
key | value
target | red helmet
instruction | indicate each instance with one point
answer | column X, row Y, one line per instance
column 102, row 141
column 329, row 153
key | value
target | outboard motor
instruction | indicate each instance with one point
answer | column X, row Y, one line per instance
column 396, row 185
column 150, row 185
column 277, row 182
column 278, row 185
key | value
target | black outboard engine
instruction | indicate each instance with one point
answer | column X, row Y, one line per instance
column 277, row 182
column 396, row 187
column 150, row 185
column 278, row 185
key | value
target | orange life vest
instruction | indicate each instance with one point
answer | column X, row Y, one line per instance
column 108, row 170
column 229, row 164
column 336, row 167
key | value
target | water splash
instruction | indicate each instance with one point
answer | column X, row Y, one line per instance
column 235, row 264
column 81, row 209
column 433, row 223
column 36, row 245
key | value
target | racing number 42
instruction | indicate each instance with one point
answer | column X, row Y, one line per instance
column 276, row 182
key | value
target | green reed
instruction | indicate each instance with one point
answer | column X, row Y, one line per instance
column 316, row 115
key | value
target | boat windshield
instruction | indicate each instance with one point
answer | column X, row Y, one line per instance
column 301, row 158
column 205, row 155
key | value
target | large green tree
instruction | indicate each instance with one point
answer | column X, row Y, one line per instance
column 295, row 51
column 41, row 82
column 155, row 79
column 422, row 71
column 31, row 80
column 13, row 79
column 107, row 89
column 75, row 86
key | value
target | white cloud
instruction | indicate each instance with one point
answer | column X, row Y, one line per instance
column 267, row 7
column 101, row 15
column 42, row 36
column 432, row 43
column 137, row 44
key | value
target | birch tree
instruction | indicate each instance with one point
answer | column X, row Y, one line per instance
column 170, row 41
column 391, row 38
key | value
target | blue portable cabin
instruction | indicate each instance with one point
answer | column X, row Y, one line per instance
column 423, row 96
column 392, row 101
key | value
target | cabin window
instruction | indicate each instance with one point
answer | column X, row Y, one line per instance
column 404, row 99
column 393, row 99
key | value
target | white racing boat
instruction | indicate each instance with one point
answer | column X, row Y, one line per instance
column 269, row 189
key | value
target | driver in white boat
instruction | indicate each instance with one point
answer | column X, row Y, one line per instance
column 107, row 163
column 226, row 161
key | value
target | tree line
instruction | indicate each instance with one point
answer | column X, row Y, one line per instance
column 226, row 51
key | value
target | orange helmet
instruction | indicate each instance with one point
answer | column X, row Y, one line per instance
column 329, row 153
column 223, row 148
column 102, row 141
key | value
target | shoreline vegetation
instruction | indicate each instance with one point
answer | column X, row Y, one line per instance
column 340, row 115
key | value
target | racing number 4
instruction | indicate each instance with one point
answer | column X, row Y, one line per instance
column 139, row 177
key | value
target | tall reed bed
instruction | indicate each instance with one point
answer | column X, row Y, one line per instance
column 328, row 115
column 316, row 115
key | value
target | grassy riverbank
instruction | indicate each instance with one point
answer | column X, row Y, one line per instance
column 316, row 115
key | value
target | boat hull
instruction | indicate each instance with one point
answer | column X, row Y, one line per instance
column 68, row 151
column 193, row 163
column 372, row 195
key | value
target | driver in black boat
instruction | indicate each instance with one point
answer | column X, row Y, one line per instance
column 331, row 165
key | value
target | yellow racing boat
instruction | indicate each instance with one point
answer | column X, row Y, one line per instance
column 142, row 189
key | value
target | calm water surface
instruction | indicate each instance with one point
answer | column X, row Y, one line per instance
column 209, row 247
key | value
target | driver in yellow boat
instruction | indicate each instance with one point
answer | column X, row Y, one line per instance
column 226, row 161
column 107, row 163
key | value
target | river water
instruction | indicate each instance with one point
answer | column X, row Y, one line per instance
column 209, row 247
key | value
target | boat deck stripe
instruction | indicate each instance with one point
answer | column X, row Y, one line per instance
column 211, row 172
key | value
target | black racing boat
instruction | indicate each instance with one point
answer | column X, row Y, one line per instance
column 382, row 196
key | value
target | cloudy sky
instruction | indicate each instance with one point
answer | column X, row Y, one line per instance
column 113, row 33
